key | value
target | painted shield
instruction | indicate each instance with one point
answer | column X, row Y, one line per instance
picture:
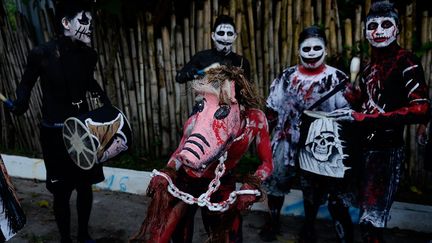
column 96, row 136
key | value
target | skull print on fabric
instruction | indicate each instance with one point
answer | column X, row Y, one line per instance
column 79, row 27
column 323, row 152
column 294, row 91
column 224, row 37
column 381, row 31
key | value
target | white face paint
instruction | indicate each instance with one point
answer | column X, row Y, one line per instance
column 312, row 52
column 79, row 27
column 381, row 31
column 224, row 37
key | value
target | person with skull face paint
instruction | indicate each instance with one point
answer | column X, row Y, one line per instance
column 295, row 90
column 65, row 68
column 224, row 34
column 391, row 94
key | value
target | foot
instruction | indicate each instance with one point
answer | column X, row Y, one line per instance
column 86, row 241
column 307, row 235
column 65, row 240
column 268, row 233
column 85, row 238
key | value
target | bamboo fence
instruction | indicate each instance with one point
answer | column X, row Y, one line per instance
column 138, row 61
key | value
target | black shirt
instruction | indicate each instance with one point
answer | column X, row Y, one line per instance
column 205, row 58
column 65, row 68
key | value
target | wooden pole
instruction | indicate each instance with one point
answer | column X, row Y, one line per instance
column 319, row 10
column 357, row 29
column 271, row 45
column 140, row 80
column 154, row 87
column 290, row 37
column 252, row 59
column 307, row 15
column 338, row 28
column 284, row 36
column 166, row 54
column 348, row 38
column 163, row 99
column 277, row 38
column 206, row 25
column 408, row 27
column 297, row 29
column 200, row 31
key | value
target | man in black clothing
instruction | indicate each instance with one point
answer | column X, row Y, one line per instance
column 223, row 35
column 392, row 93
column 65, row 67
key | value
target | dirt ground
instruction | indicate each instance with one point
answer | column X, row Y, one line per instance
column 116, row 216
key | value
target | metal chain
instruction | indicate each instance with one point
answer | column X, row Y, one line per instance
column 204, row 199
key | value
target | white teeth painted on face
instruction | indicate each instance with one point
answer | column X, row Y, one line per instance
column 79, row 27
column 224, row 37
column 312, row 52
column 381, row 31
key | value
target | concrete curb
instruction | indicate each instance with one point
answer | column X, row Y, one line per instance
column 403, row 215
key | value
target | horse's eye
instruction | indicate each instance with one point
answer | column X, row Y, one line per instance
column 198, row 107
column 222, row 112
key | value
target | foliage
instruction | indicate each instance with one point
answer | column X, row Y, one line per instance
column 20, row 152
column 11, row 10
column 134, row 161
column 424, row 49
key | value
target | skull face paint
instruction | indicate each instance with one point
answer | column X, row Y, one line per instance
column 312, row 52
column 224, row 37
column 381, row 31
column 79, row 28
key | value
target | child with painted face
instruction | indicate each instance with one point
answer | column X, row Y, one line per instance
column 295, row 90
column 223, row 35
column 65, row 69
column 391, row 94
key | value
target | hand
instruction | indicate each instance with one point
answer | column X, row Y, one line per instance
column 422, row 136
column 159, row 182
column 16, row 107
column 184, row 76
column 8, row 105
column 156, row 183
column 244, row 202
column 192, row 74
column 204, row 70
column 343, row 114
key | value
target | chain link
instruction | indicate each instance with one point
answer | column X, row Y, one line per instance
column 204, row 199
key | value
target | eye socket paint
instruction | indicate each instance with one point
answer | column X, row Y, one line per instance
column 381, row 31
column 79, row 27
column 312, row 52
column 224, row 37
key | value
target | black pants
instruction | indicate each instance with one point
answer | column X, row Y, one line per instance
column 317, row 190
column 63, row 177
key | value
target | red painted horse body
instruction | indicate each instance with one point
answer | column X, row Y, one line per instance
column 202, row 170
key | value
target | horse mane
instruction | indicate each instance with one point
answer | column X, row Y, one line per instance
column 215, row 82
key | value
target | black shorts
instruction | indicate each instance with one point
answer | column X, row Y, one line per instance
column 317, row 189
column 60, row 169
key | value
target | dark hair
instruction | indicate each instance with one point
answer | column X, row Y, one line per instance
column 312, row 31
column 69, row 9
column 383, row 9
column 223, row 19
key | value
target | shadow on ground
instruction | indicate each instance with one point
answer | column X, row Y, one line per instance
column 116, row 216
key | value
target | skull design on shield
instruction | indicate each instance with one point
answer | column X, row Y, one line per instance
column 322, row 152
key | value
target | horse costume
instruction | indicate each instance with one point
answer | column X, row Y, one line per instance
column 201, row 172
